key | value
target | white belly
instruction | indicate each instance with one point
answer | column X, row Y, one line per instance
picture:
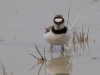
column 55, row 39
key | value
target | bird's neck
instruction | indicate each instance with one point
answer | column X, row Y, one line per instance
column 61, row 31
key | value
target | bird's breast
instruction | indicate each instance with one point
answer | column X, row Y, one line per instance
column 55, row 39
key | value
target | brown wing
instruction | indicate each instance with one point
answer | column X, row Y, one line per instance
column 48, row 29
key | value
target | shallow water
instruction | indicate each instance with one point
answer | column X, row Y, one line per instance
column 22, row 24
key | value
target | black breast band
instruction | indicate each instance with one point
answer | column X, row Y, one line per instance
column 61, row 31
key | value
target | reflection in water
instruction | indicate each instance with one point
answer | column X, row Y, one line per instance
column 62, row 65
column 55, row 66
column 59, row 66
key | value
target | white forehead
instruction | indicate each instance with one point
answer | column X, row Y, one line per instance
column 58, row 19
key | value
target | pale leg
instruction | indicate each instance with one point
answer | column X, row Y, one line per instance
column 51, row 48
column 62, row 49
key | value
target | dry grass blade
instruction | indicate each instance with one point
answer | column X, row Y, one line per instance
column 86, row 39
column 12, row 71
column 3, row 68
column 73, row 23
column 44, row 54
column 33, row 66
column 40, row 69
column 74, row 37
column 83, row 34
column 68, row 16
column 45, row 67
column 44, row 62
column 34, row 56
column 39, row 52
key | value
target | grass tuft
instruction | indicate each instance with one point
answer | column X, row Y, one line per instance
column 41, row 60
column 80, row 38
column 4, row 72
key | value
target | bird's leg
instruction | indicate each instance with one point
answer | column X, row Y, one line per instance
column 62, row 49
column 67, row 44
column 51, row 48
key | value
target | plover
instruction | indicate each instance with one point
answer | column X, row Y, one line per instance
column 57, row 33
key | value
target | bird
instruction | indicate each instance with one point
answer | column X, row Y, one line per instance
column 56, row 35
